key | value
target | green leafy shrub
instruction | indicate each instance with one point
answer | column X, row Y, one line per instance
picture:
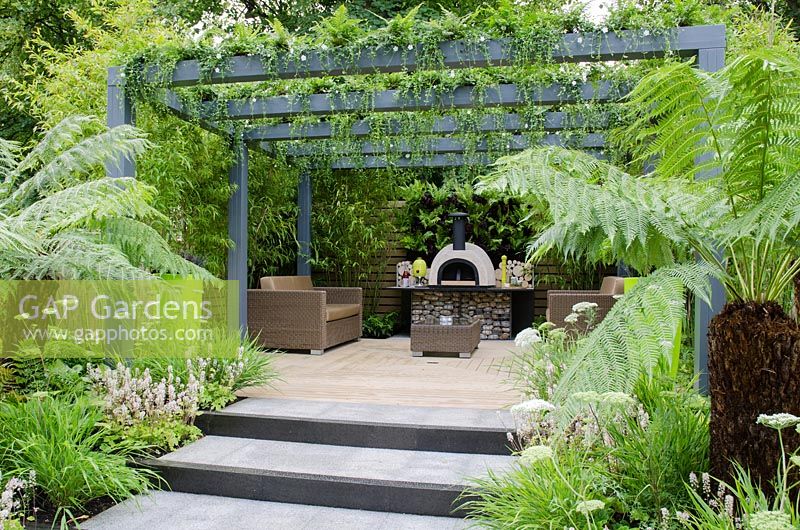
column 546, row 490
column 379, row 326
column 652, row 459
column 64, row 444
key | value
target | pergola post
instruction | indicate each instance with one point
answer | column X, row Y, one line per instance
column 119, row 112
column 237, row 227
column 304, row 224
column 709, row 60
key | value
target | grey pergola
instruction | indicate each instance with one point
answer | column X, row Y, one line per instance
column 706, row 43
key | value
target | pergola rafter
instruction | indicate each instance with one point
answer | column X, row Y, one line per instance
column 442, row 146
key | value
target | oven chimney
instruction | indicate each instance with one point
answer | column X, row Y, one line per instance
column 459, row 230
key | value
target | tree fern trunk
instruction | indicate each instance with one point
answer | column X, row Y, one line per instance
column 797, row 297
column 754, row 368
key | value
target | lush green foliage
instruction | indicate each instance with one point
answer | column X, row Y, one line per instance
column 545, row 493
column 495, row 221
column 59, row 440
column 231, row 365
column 352, row 225
column 379, row 326
column 59, row 223
column 651, row 461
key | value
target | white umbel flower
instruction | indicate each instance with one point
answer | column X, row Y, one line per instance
column 587, row 507
column 778, row 421
column 527, row 338
column 535, row 453
column 532, row 406
column 582, row 307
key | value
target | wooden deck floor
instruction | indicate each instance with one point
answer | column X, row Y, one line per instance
column 384, row 372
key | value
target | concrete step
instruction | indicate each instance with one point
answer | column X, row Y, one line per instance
column 162, row 510
column 364, row 478
column 476, row 431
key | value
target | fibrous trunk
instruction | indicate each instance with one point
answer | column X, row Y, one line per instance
column 753, row 368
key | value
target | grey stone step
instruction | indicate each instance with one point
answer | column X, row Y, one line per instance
column 390, row 480
column 477, row 431
column 185, row 511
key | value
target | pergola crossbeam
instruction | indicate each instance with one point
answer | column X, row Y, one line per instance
column 440, row 160
column 510, row 122
column 463, row 97
column 574, row 47
column 446, row 145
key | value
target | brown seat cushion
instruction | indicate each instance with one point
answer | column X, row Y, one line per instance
column 286, row 283
column 340, row 311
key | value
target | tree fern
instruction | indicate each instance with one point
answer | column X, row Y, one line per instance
column 58, row 221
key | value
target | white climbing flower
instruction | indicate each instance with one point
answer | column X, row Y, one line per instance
column 527, row 338
column 303, row 57
column 646, row 33
column 395, row 48
column 579, row 40
column 587, row 507
column 604, row 30
column 778, row 421
column 323, row 47
column 410, row 46
column 535, row 453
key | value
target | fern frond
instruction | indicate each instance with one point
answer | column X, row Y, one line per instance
column 776, row 217
column 765, row 100
column 145, row 247
column 90, row 202
column 676, row 111
column 61, row 136
column 61, row 170
column 599, row 211
column 74, row 255
column 635, row 336
column 9, row 151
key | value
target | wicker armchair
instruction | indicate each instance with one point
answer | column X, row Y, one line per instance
column 287, row 312
column 559, row 303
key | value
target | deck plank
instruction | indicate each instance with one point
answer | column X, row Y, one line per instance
column 383, row 371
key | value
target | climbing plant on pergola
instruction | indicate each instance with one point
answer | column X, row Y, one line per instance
column 442, row 146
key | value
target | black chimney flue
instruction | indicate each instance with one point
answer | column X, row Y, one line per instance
column 459, row 230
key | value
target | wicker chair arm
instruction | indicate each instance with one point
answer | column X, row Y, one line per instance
column 342, row 295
